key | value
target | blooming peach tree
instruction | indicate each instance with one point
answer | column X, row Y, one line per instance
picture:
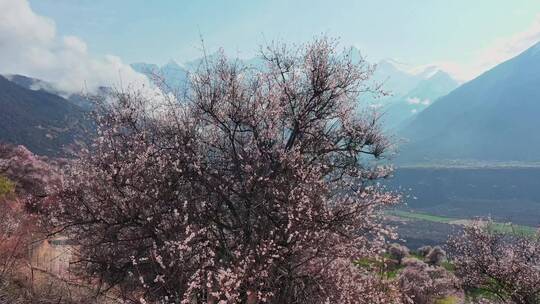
column 503, row 265
column 34, row 178
column 422, row 283
column 259, row 185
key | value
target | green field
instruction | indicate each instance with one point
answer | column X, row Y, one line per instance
column 495, row 226
column 422, row 216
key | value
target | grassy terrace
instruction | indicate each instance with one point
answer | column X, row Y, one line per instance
column 495, row 226
column 473, row 164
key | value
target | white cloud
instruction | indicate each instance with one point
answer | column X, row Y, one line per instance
column 413, row 100
column 418, row 101
column 29, row 45
column 376, row 106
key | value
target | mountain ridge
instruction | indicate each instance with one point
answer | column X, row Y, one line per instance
column 486, row 118
column 47, row 124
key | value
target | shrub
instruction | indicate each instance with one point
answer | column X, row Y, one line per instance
column 7, row 187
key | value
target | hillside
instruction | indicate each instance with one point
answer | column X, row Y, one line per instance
column 402, row 109
column 491, row 118
column 45, row 123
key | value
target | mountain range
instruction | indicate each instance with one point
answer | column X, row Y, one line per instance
column 170, row 77
column 491, row 118
column 410, row 93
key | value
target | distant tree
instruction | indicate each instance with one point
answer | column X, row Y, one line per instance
column 424, row 250
column 507, row 266
column 398, row 252
column 435, row 256
column 257, row 187
column 425, row 284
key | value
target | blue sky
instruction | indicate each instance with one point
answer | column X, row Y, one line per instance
column 413, row 31
column 463, row 37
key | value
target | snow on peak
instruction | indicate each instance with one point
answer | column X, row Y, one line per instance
column 398, row 65
column 422, row 71
column 429, row 72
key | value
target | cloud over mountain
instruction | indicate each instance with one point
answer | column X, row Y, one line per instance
column 30, row 45
column 418, row 101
